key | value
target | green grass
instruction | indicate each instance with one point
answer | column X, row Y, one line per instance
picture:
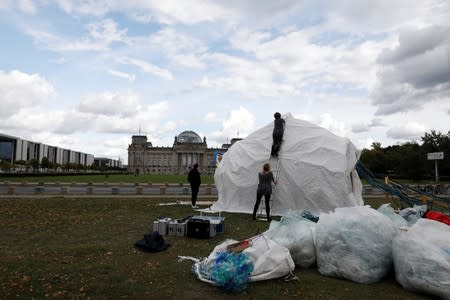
column 130, row 178
column 83, row 248
column 113, row 178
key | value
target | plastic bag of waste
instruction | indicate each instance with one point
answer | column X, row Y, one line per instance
column 260, row 259
column 354, row 243
column 295, row 233
column 422, row 258
column 412, row 214
column 389, row 212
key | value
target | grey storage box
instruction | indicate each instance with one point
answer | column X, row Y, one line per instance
column 161, row 225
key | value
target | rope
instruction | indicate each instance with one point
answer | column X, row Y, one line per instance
column 396, row 189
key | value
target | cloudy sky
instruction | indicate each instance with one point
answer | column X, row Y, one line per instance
column 88, row 74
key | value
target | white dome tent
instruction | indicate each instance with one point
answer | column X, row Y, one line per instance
column 316, row 171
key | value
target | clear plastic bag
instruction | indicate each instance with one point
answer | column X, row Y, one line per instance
column 389, row 212
column 295, row 233
column 412, row 214
column 422, row 258
column 354, row 243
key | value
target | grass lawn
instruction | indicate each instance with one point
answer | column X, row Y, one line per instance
column 113, row 178
column 83, row 248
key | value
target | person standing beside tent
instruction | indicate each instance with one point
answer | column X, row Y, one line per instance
column 264, row 189
column 195, row 181
column 277, row 135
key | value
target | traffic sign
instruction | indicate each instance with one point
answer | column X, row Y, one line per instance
column 435, row 155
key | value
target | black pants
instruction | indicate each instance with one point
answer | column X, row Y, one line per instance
column 266, row 201
column 194, row 193
column 277, row 140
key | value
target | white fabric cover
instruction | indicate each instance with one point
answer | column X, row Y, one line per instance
column 354, row 243
column 422, row 258
column 297, row 234
column 316, row 171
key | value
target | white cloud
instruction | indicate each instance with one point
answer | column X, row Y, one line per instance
column 366, row 127
column 332, row 124
column 171, row 42
column 61, row 44
column 377, row 122
column 107, row 30
column 249, row 78
column 116, row 148
column 383, row 15
column 166, row 12
column 149, row 118
column 189, row 61
column 358, row 128
column 300, row 61
column 111, row 114
column 20, row 90
column 85, row 7
column 211, row 117
column 335, row 126
column 27, row 6
column 129, row 77
column 110, row 104
column 58, row 140
column 172, row 11
column 147, row 67
column 72, row 121
column 408, row 131
column 239, row 122
column 99, row 37
column 33, row 119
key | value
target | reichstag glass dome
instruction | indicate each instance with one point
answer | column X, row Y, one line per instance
column 189, row 137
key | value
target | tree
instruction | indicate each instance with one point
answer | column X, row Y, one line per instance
column 437, row 142
column 434, row 141
column 5, row 165
column 21, row 164
column 45, row 163
column 409, row 160
column 34, row 163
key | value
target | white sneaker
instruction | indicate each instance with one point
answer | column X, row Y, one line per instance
column 194, row 206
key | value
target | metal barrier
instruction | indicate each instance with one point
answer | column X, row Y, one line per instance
column 106, row 188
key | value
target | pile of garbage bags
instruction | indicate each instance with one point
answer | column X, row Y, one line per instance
column 361, row 244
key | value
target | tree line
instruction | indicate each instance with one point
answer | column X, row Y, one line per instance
column 45, row 165
column 409, row 160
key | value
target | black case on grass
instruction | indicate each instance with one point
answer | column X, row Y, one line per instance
column 198, row 228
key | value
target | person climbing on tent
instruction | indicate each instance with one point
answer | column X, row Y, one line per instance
column 277, row 135
column 195, row 181
column 264, row 189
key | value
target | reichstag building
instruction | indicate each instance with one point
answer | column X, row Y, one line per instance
column 188, row 149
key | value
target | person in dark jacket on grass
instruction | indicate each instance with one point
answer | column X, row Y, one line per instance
column 195, row 181
column 264, row 189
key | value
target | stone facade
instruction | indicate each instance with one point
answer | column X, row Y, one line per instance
column 188, row 148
